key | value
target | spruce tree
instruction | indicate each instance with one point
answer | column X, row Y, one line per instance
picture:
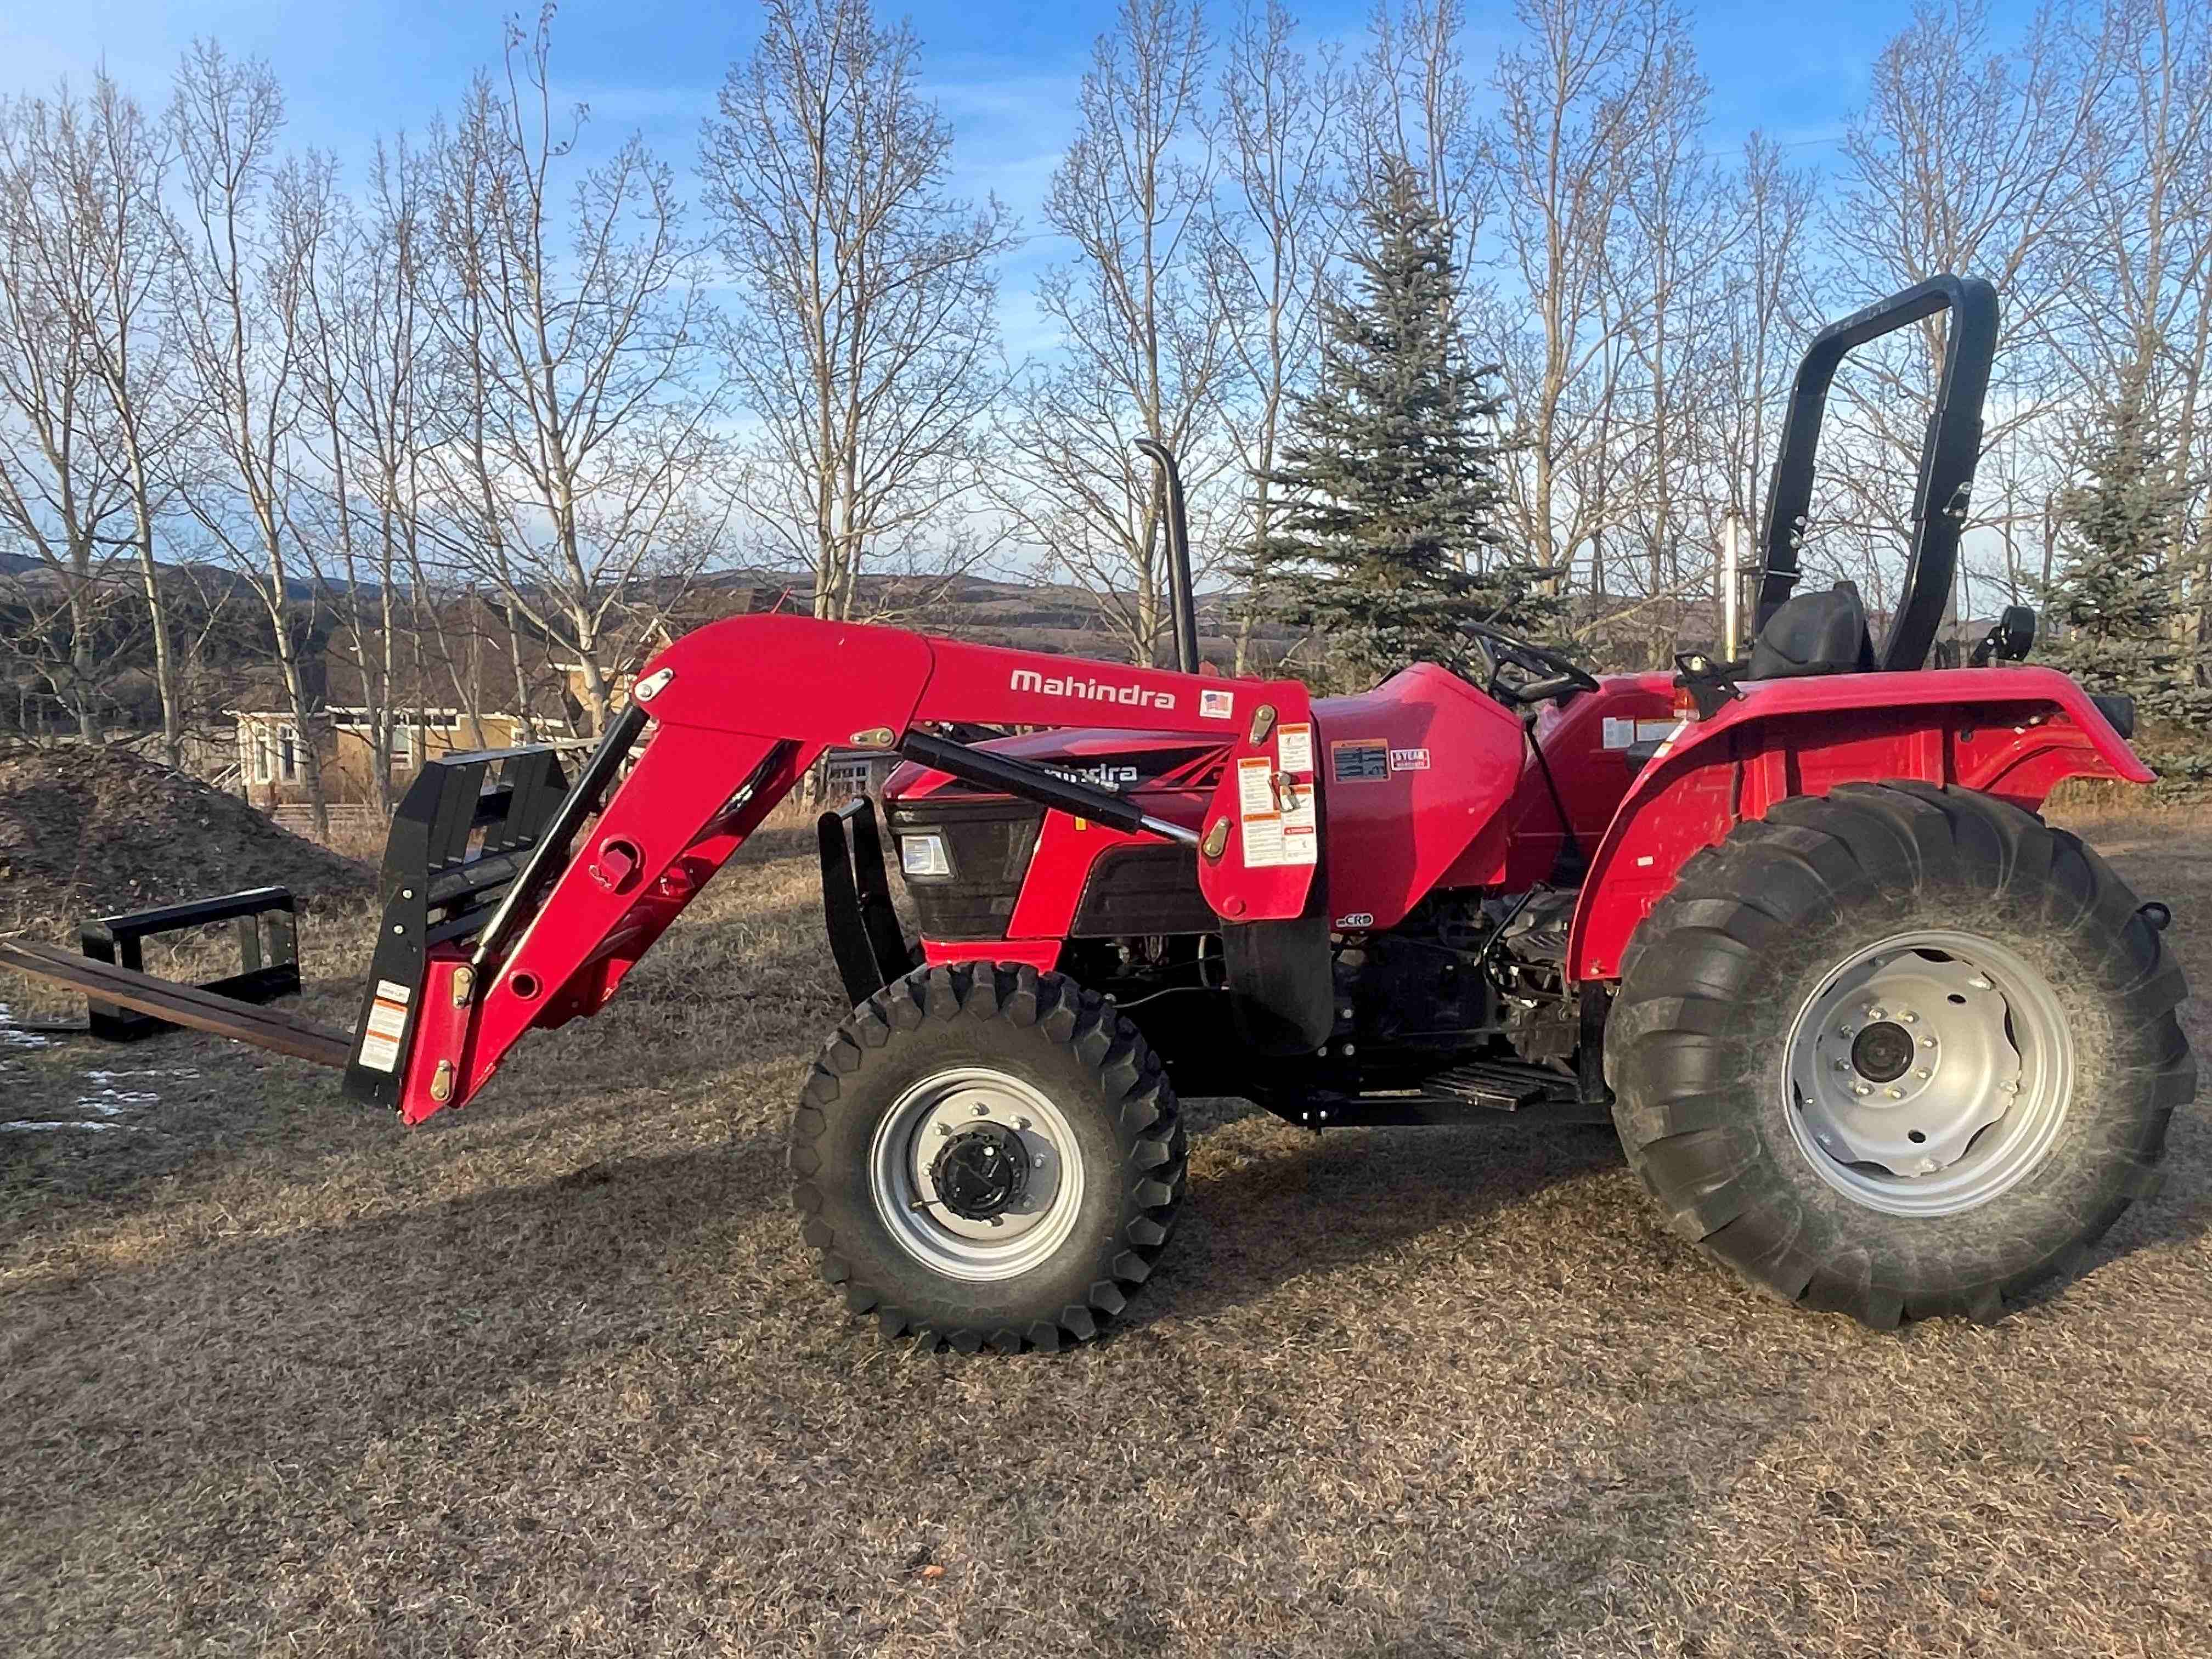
column 1388, row 537
column 2117, row 601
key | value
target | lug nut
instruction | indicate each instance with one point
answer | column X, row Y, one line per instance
column 1862, row 1088
column 1921, row 1072
column 1842, row 1066
column 1894, row 1093
column 1021, row 1123
column 1927, row 1043
column 1038, row 1161
column 983, row 1111
column 1843, row 1030
column 2008, row 1088
column 1909, row 1017
column 1876, row 1013
column 944, row 1129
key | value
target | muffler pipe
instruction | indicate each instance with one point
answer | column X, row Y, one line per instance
column 1182, row 607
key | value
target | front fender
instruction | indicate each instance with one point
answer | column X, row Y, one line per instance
column 2013, row 732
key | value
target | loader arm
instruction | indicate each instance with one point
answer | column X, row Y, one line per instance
column 482, row 939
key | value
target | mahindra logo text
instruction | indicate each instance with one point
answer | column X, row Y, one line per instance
column 1105, row 777
column 1140, row 696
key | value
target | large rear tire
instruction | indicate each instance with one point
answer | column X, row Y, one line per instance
column 987, row 1155
column 1898, row 1051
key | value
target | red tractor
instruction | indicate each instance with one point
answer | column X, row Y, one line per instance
column 1872, row 1033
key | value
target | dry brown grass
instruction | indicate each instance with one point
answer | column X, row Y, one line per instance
column 553, row 1376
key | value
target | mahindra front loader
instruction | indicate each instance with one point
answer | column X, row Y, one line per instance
column 1872, row 1033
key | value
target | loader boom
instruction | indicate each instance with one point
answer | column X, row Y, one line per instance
column 724, row 723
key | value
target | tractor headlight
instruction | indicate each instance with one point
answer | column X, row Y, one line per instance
column 925, row 856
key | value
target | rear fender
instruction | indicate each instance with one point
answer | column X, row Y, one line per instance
column 2011, row 732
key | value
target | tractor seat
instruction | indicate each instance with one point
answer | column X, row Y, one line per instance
column 1814, row 633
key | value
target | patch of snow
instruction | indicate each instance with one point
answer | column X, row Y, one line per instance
column 111, row 1102
column 12, row 1038
column 26, row 1123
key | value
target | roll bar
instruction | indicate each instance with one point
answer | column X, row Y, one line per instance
column 1947, row 454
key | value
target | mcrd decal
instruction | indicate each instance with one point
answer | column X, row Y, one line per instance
column 1070, row 685
column 1357, row 919
column 1409, row 760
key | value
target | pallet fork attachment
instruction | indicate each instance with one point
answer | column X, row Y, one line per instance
column 169, row 1004
column 265, row 973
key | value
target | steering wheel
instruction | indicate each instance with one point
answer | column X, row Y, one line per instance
column 1555, row 675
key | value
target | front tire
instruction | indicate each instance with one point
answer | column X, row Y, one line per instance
column 987, row 1155
column 1898, row 1051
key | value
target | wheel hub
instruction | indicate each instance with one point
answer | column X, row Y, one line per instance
column 1882, row 1053
column 1929, row 1072
column 977, row 1173
column 980, row 1172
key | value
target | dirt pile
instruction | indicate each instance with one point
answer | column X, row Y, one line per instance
column 92, row 832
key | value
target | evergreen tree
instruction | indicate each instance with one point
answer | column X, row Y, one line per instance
column 2117, row 601
column 1387, row 540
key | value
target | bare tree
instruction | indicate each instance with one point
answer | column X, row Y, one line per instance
column 2135, row 271
column 1276, row 215
column 866, row 346
column 1560, row 148
column 1144, row 338
column 1960, row 162
column 577, row 460
column 248, row 254
column 1766, row 299
column 1415, row 103
column 101, row 165
column 1673, row 237
column 363, row 432
column 63, row 486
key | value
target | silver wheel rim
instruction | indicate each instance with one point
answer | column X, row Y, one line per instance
column 914, row 1134
column 1988, row 1071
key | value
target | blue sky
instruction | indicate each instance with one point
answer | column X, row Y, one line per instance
column 1004, row 72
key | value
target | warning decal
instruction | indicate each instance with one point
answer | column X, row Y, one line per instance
column 1275, row 815
column 1359, row 760
column 387, row 1023
column 1294, row 748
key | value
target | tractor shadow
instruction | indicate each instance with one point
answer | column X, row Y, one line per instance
column 1278, row 1206
column 1267, row 1209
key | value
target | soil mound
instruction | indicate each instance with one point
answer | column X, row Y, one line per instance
column 92, row 832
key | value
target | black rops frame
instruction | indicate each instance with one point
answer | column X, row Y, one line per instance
column 1947, row 454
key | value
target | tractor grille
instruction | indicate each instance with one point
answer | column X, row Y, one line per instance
column 990, row 841
column 1143, row 890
